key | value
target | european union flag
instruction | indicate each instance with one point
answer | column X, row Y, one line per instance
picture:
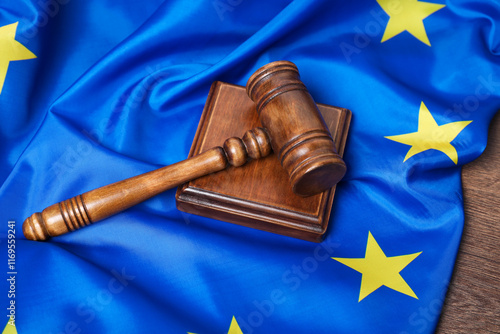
column 92, row 92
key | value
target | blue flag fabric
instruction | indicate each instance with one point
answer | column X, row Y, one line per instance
column 95, row 92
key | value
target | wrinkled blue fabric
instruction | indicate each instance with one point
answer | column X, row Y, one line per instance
column 117, row 89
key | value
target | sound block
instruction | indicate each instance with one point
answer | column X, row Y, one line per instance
column 258, row 194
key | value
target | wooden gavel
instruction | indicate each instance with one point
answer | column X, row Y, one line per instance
column 293, row 128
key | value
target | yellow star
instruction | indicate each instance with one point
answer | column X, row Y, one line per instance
column 378, row 269
column 431, row 136
column 233, row 329
column 10, row 50
column 10, row 328
column 407, row 15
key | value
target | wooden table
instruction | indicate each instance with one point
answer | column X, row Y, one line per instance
column 472, row 304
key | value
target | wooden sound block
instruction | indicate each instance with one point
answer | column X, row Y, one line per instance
column 258, row 194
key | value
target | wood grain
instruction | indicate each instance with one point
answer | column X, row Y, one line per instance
column 94, row 205
column 258, row 195
column 300, row 138
column 472, row 304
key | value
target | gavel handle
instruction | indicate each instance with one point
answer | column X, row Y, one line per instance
column 100, row 203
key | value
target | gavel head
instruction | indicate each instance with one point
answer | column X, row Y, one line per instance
column 299, row 136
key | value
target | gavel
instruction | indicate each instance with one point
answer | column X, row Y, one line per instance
column 292, row 127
